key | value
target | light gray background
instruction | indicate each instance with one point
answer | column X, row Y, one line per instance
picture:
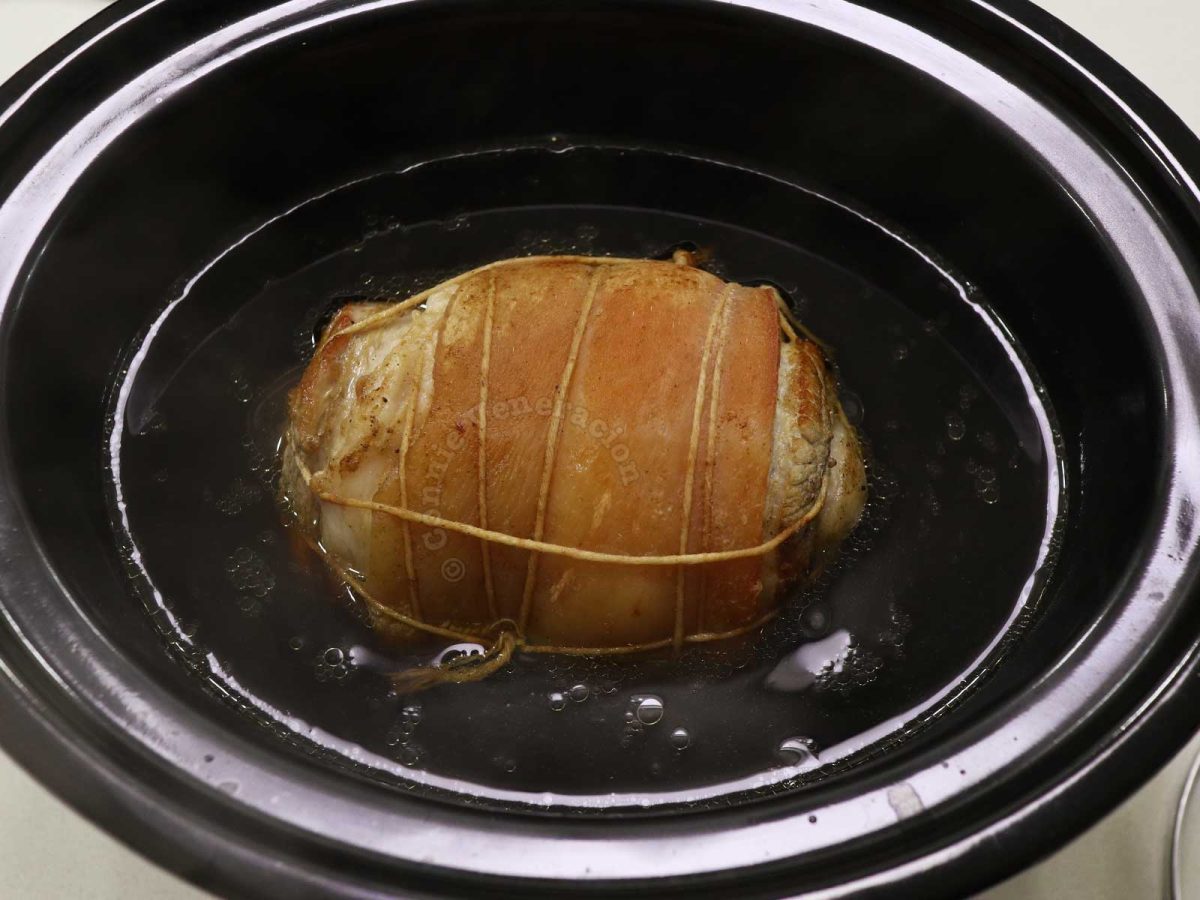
column 47, row 851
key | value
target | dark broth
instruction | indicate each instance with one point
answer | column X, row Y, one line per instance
column 948, row 564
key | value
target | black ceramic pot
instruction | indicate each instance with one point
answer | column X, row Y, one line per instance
column 140, row 149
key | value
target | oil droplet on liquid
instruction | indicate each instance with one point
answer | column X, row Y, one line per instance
column 801, row 669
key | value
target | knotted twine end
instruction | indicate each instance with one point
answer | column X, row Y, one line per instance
column 460, row 670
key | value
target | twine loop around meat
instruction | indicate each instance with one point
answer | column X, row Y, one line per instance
column 505, row 637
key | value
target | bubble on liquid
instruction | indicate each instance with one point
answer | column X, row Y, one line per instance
column 852, row 407
column 252, row 579
column 990, row 495
column 262, row 466
column 644, row 710
column 238, row 497
column 855, row 669
column 535, row 242
column 892, row 637
column 332, row 665
column 900, row 352
column 400, row 735
column 557, row 144
column 967, row 395
column 578, row 693
column 506, row 764
column 558, row 701
column 955, row 427
column 649, row 709
column 816, row 619
column 680, row 739
column 248, row 605
column 801, row 752
column 632, row 730
column 241, row 386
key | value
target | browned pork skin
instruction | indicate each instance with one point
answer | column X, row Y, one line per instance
column 552, row 443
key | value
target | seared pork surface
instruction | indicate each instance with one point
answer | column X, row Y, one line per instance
column 630, row 407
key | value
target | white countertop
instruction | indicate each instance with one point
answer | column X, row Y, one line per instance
column 46, row 850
